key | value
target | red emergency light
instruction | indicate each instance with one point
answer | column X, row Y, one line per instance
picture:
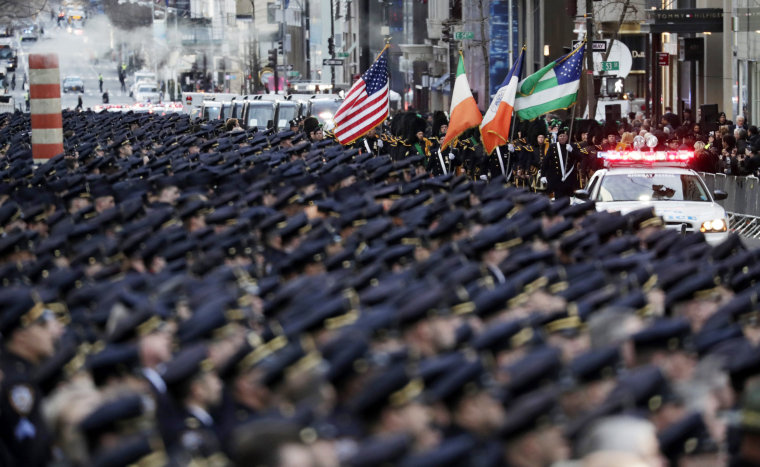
column 648, row 158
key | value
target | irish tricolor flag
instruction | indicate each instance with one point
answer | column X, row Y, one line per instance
column 464, row 110
column 494, row 131
column 551, row 88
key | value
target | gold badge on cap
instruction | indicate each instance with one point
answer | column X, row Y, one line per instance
column 22, row 398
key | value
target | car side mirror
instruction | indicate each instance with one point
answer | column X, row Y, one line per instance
column 582, row 194
column 719, row 195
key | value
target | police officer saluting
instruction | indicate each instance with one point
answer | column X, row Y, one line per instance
column 29, row 335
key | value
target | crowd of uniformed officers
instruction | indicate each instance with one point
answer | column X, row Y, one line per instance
column 178, row 292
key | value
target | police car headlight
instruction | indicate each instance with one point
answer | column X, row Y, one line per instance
column 715, row 225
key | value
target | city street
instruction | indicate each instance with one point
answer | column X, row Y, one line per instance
column 75, row 59
column 448, row 233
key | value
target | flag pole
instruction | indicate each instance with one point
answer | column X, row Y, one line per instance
column 575, row 106
column 387, row 45
column 514, row 117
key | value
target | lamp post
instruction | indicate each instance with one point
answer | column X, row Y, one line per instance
column 332, row 49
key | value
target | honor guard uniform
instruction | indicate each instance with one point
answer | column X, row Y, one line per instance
column 559, row 167
column 416, row 144
column 502, row 161
column 580, row 147
column 371, row 143
column 530, row 161
column 440, row 160
column 471, row 157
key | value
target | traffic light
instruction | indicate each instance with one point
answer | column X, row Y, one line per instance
column 279, row 48
column 330, row 46
column 273, row 58
column 446, row 32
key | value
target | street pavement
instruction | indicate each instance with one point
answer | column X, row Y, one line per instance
column 75, row 59
column 752, row 243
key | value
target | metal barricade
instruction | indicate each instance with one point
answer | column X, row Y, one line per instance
column 709, row 180
column 738, row 194
column 720, row 181
column 742, row 204
column 753, row 201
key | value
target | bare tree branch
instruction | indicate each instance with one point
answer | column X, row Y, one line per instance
column 127, row 15
column 14, row 10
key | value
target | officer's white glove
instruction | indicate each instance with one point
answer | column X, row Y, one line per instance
column 484, row 178
column 511, row 148
column 452, row 156
column 569, row 147
column 543, row 180
column 379, row 143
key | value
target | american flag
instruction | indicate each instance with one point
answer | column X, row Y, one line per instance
column 366, row 105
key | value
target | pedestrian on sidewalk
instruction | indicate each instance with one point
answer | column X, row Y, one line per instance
column 13, row 82
column 105, row 97
column 79, row 103
column 100, row 81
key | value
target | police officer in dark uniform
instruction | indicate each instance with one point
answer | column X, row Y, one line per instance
column 532, row 153
column 371, row 143
column 29, row 336
column 502, row 161
column 439, row 163
column 195, row 387
column 415, row 143
column 558, row 169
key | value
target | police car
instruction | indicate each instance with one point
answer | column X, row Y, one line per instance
column 636, row 179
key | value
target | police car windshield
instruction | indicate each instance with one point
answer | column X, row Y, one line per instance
column 6, row 52
column 652, row 187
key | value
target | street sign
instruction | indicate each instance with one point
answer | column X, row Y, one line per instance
column 617, row 61
column 332, row 61
column 342, row 54
column 596, row 46
column 463, row 35
column 663, row 58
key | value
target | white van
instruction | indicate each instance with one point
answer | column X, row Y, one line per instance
column 192, row 101
column 141, row 77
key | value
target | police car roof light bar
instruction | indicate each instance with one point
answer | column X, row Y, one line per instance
column 649, row 159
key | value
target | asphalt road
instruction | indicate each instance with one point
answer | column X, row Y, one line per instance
column 75, row 59
column 751, row 243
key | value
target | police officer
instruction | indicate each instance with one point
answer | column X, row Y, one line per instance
column 371, row 143
column 313, row 129
column 29, row 334
column 558, row 169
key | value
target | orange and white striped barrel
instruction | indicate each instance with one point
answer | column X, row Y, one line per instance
column 45, row 96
